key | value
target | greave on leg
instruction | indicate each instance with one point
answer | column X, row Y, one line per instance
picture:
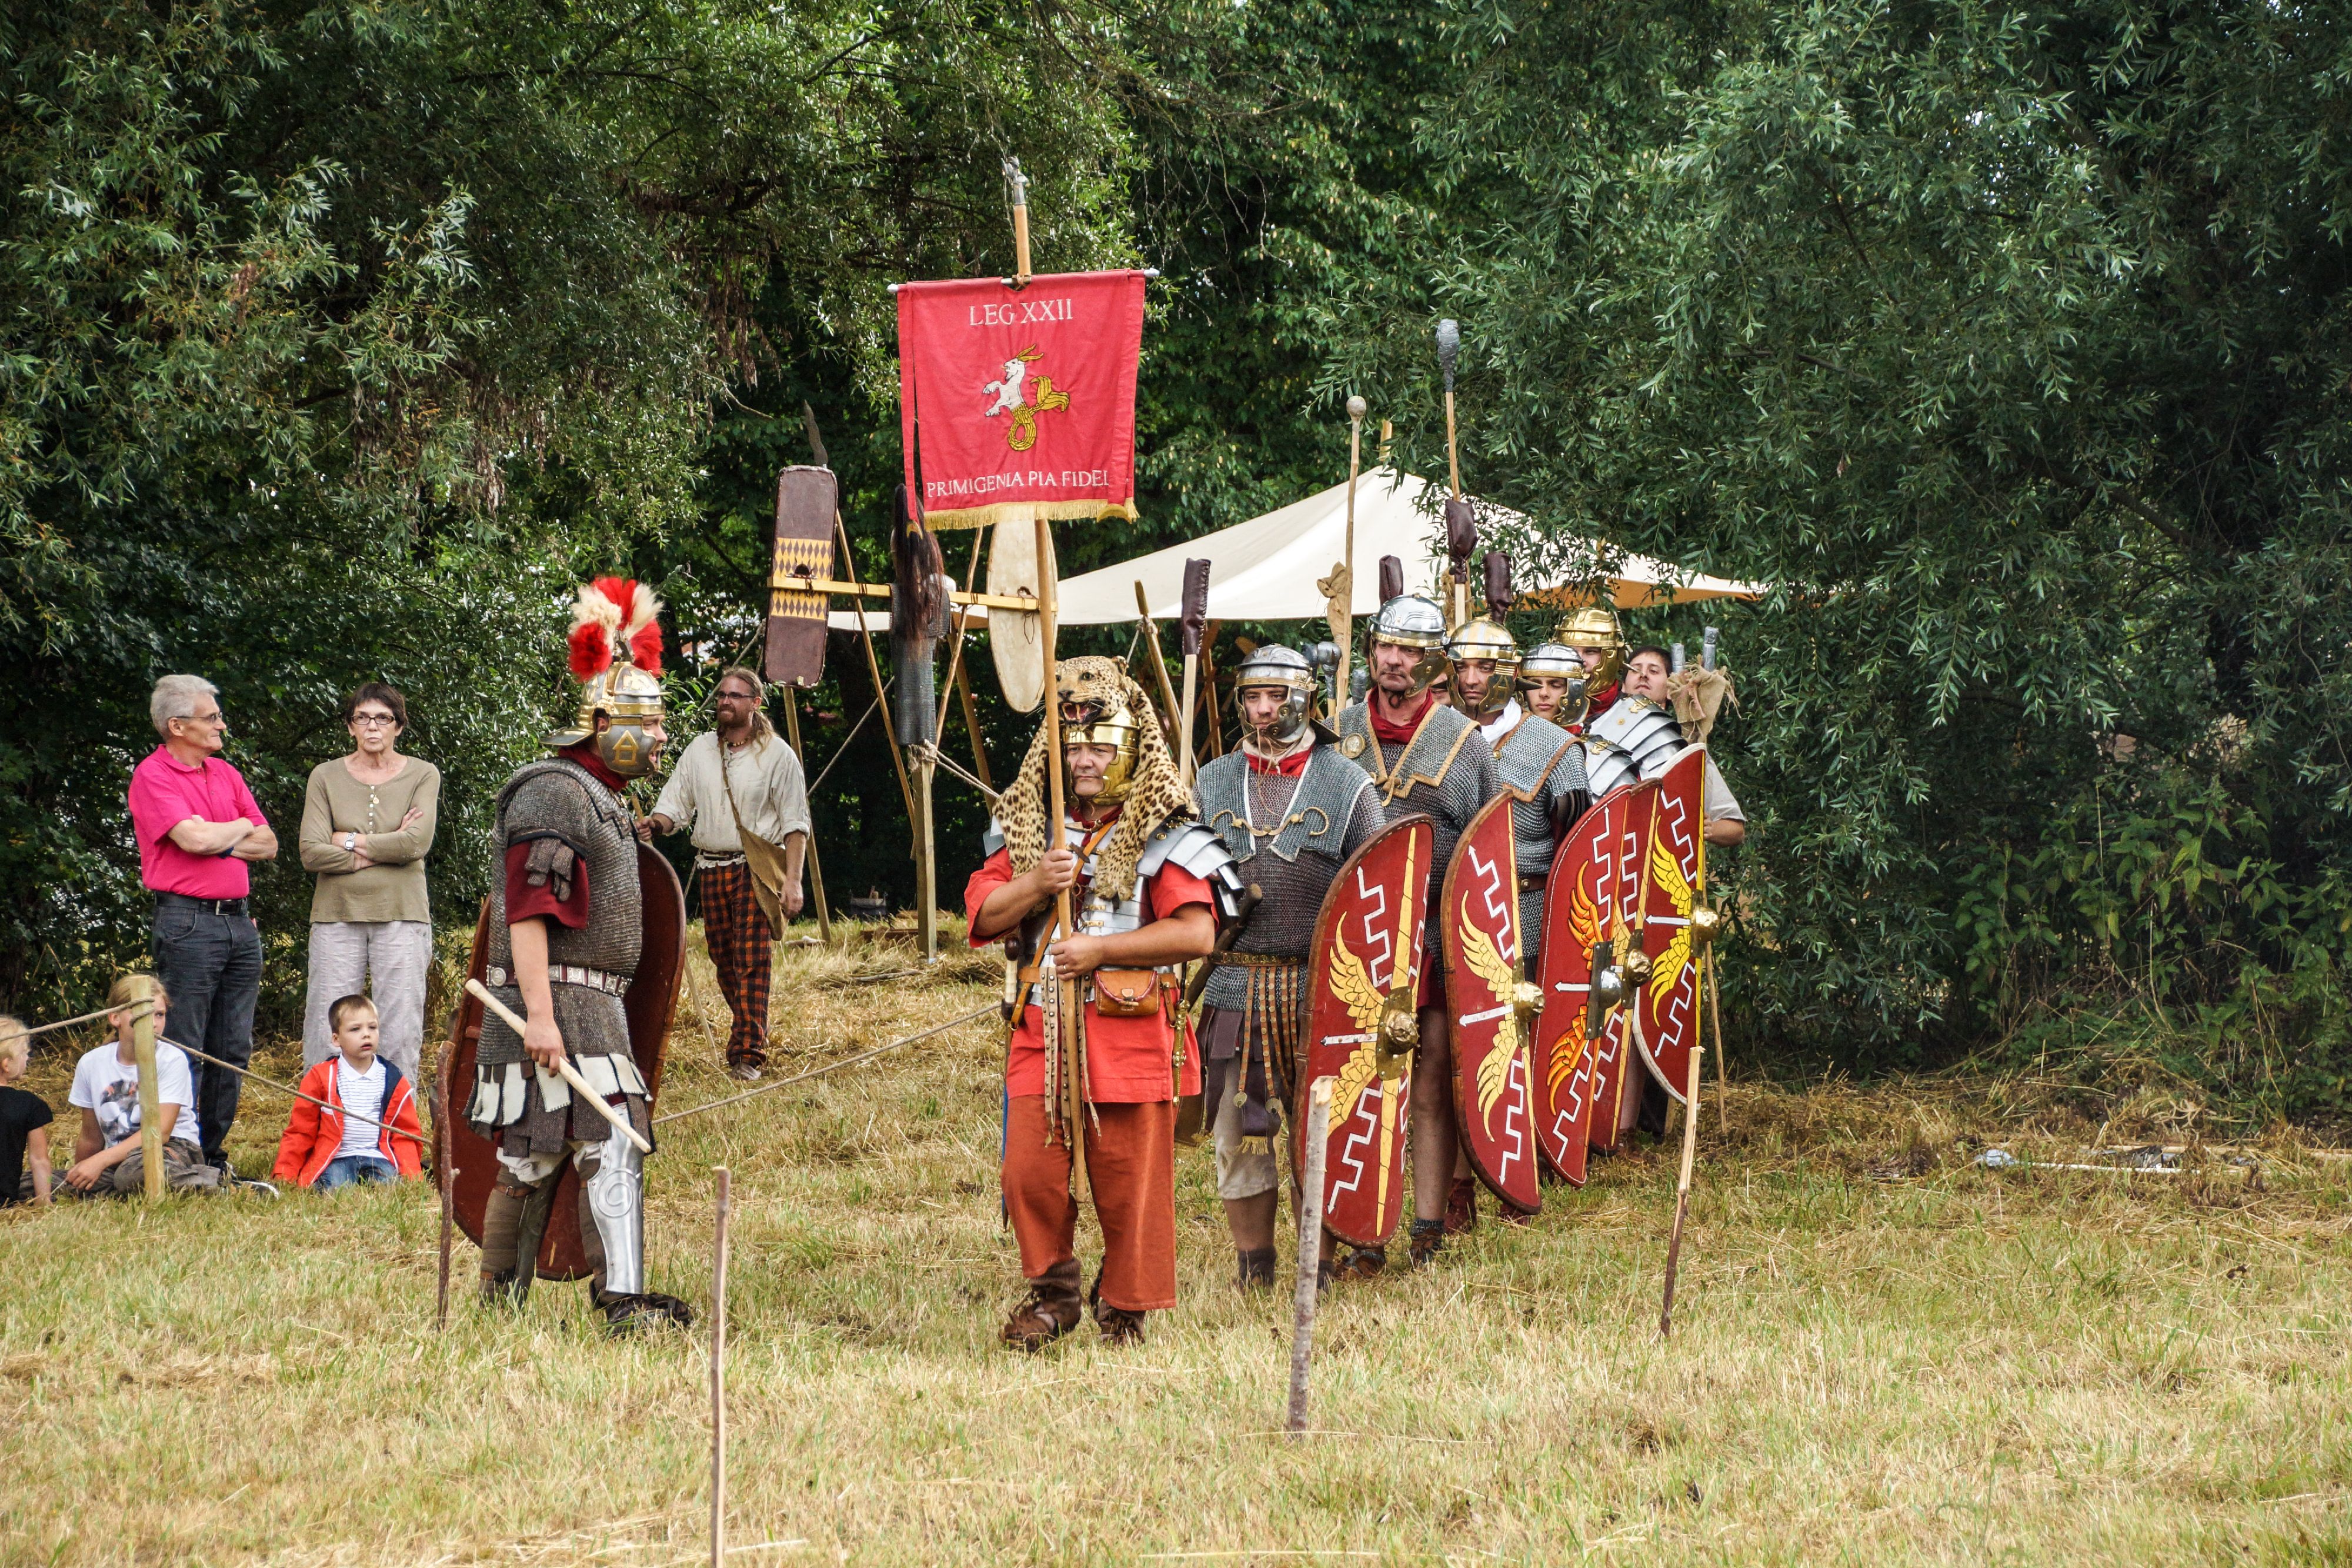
column 613, row 1216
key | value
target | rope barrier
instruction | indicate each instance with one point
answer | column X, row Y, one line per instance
column 925, row 752
column 284, row 1089
column 843, row 749
column 972, row 1016
column 136, row 1009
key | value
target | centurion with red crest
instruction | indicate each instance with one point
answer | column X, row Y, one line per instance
column 582, row 937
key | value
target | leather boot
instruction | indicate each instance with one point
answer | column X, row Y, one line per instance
column 1050, row 1310
column 1462, row 1207
column 1255, row 1269
column 1428, row 1241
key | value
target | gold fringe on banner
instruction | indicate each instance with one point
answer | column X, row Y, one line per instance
column 1055, row 510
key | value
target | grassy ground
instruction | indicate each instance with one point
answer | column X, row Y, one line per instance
column 1882, row 1353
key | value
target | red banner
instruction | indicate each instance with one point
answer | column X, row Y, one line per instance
column 1021, row 397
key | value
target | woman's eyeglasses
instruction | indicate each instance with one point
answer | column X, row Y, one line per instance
column 372, row 720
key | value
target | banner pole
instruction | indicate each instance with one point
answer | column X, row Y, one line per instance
column 1074, row 1094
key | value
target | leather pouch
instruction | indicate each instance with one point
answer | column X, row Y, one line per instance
column 1127, row 992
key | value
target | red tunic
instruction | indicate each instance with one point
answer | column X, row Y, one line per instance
column 1127, row 1060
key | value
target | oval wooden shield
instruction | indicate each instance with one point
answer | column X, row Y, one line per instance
column 1016, row 639
column 1479, row 922
column 1366, row 967
column 650, row 1001
column 1588, row 897
column 1672, row 872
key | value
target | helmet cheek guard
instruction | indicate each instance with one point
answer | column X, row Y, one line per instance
column 1282, row 669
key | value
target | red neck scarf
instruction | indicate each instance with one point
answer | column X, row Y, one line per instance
column 584, row 753
column 1290, row 766
column 1390, row 734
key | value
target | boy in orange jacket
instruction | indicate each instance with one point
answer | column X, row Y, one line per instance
column 323, row 1147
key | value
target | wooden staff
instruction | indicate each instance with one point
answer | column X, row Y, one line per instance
column 1682, row 1193
column 959, row 676
column 1311, row 1248
column 1074, row 1091
column 927, row 894
column 1209, row 690
column 971, row 727
column 718, row 1382
column 1722, row 1057
column 816, row 871
column 571, row 1073
column 142, row 1047
column 1449, row 345
column 1152, row 641
column 1340, row 612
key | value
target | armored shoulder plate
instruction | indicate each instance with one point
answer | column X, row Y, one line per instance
column 1531, row 756
column 1189, row 846
column 1634, row 740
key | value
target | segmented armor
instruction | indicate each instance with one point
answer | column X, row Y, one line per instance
column 1542, row 768
column 1634, row 738
column 555, row 809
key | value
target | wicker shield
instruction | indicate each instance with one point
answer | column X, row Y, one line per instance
column 1490, row 1008
column 1672, row 873
column 649, row 1002
column 1577, row 1075
column 1366, row 964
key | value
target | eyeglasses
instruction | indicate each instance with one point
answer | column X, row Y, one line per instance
column 214, row 717
column 372, row 721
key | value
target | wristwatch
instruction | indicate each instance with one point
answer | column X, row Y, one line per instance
column 351, row 843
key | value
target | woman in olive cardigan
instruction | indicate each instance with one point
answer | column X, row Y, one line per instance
column 367, row 823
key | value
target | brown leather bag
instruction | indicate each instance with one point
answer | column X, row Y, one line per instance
column 1127, row 992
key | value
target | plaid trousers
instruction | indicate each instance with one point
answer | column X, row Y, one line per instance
column 738, row 939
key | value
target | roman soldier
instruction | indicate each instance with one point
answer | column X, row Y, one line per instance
column 565, row 933
column 1422, row 756
column 1552, row 682
column 1291, row 811
column 1593, row 633
column 1097, row 1065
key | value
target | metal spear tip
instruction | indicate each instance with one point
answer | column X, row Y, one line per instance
column 1449, row 345
column 1356, row 406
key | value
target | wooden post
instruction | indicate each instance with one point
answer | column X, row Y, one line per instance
column 1020, row 182
column 1681, row 1192
column 1311, row 1248
column 1341, row 613
column 1074, row 1092
column 816, row 871
column 142, row 1047
column 1184, row 760
column 927, row 898
column 446, row 1179
column 719, row 1382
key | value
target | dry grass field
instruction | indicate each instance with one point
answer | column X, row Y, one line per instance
column 1883, row 1354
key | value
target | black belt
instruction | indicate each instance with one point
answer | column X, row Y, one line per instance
column 209, row 906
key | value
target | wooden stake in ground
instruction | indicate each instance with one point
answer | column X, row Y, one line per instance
column 1681, row 1192
column 1311, row 1248
column 446, row 1178
column 143, row 1045
column 718, row 1382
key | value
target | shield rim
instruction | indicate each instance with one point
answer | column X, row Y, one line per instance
column 650, row 1004
column 1606, row 1133
column 1697, row 749
column 1449, row 948
column 1412, row 821
column 1555, row 953
column 1016, row 638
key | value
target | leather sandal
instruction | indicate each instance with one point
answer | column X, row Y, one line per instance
column 1462, row 1207
column 1428, row 1241
column 1039, row 1321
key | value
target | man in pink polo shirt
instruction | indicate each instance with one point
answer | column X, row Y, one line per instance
column 197, row 825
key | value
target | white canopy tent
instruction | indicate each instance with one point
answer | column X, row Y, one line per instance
column 1266, row 569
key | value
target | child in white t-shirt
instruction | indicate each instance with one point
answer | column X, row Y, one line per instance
column 108, row 1158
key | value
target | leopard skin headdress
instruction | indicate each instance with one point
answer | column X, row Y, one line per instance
column 1155, row 794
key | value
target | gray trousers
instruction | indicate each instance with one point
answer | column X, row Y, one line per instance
column 345, row 957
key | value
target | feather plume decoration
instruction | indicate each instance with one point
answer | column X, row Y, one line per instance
column 609, row 613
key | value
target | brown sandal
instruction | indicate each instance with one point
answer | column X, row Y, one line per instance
column 1045, row 1316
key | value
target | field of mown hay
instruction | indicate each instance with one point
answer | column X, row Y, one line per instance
column 1884, row 1354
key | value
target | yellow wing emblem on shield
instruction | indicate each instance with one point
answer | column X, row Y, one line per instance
column 1487, row 962
column 1666, row 871
column 1351, row 983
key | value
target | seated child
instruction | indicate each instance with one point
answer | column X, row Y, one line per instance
column 107, row 1158
column 24, row 1123
column 323, row 1148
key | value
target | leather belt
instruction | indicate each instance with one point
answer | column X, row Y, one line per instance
column 209, row 906
column 1028, row 974
column 1530, row 881
column 566, row 974
column 1263, row 960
